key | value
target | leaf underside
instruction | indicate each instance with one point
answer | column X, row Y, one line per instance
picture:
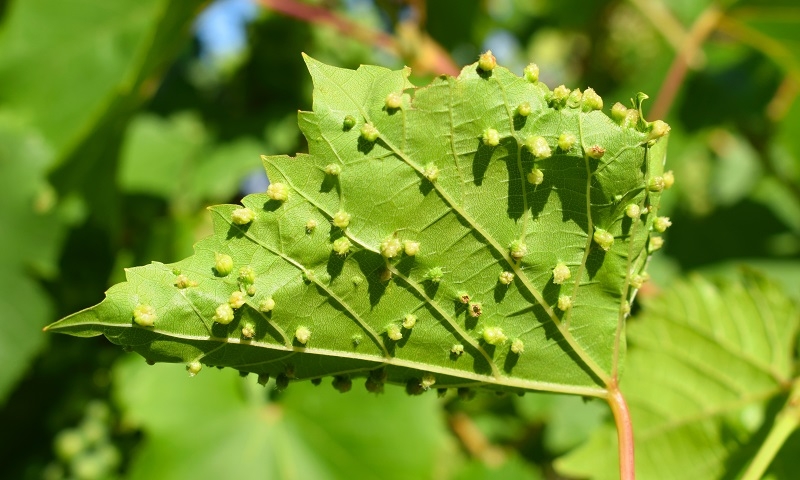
column 465, row 222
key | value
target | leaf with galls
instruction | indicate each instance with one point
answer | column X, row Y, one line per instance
column 489, row 184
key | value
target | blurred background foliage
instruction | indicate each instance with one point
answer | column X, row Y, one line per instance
column 120, row 121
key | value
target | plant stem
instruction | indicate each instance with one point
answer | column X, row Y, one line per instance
column 430, row 57
column 786, row 422
column 701, row 29
column 622, row 418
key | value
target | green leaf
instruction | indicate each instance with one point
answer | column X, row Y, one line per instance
column 99, row 52
column 218, row 425
column 704, row 360
column 175, row 159
column 29, row 247
column 342, row 313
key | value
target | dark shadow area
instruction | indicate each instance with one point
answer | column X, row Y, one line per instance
column 237, row 231
column 595, row 260
column 329, row 183
column 364, row 145
column 371, row 265
column 335, row 265
column 510, row 362
column 725, row 235
column 272, row 205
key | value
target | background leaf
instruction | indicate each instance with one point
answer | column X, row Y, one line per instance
column 704, row 364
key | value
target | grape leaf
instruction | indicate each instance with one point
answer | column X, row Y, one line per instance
column 704, row 360
column 446, row 171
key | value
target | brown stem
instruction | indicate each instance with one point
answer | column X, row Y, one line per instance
column 701, row 29
column 622, row 418
column 431, row 57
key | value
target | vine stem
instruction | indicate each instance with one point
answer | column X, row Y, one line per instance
column 786, row 422
column 622, row 418
column 428, row 57
column 701, row 29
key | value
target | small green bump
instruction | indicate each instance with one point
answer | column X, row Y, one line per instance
column 263, row 379
column 669, row 179
column 333, row 169
column 538, row 147
column 575, row 98
column 223, row 314
column 524, row 109
column 591, row 100
column 357, row 280
column 223, row 264
column 475, row 309
column 517, row 346
column 278, row 192
column 457, row 349
column 247, row 275
column 267, row 305
column 487, row 61
column 625, row 308
column 375, row 381
column 391, row 247
column 619, row 113
column 414, row 387
column 242, row 216
column 356, row 339
column 566, row 141
column 603, row 238
column 251, row 290
column 342, row 245
column 531, row 73
column 494, row 336
column 311, row 225
column 561, row 273
column 341, row 219
column 428, row 380
column 435, row 274
column 491, row 137
column 564, row 302
column 282, row 382
column 431, row 172
column 463, row 297
column 661, row 224
column 409, row 321
column 349, row 122
column 248, row 330
column 237, row 299
column 506, row 278
column 466, row 393
column 658, row 129
column 342, row 383
column 633, row 211
column 596, row 152
column 535, row 177
column 194, row 368
column 637, row 281
column 656, row 243
column 394, row 101
column 144, row 315
column 517, row 249
column 560, row 95
column 393, row 332
column 411, row 248
column 656, row 184
column 369, row 132
column 302, row 334
column 308, row 276
column 182, row 281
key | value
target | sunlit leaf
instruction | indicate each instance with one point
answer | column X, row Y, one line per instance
column 416, row 210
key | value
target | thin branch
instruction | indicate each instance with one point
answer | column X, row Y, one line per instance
column 700, row 30
column 663, row 21
column 429, row 56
